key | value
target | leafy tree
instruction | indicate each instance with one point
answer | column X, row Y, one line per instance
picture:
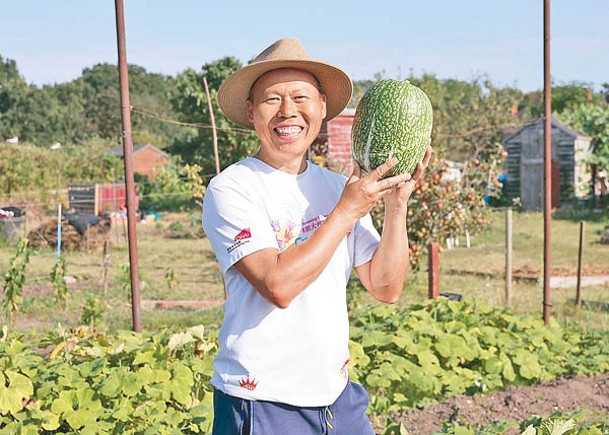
column 468, row 116
column 591, row 120
column 234, row 142
column 150, row 95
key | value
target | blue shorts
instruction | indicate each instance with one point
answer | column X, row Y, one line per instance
column 346, row 416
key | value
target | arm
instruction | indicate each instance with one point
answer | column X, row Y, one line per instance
column 281, row 276
column 384, row 275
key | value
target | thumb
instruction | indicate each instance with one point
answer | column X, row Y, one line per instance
column 356, row 170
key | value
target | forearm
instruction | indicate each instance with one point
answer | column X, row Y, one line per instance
column 390, row 262
column 281, row 277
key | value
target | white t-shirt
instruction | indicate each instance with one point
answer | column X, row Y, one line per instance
column 297, row 355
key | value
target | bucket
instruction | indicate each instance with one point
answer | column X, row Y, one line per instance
column 10, row 226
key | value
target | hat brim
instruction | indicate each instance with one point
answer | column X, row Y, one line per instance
column 234, row 91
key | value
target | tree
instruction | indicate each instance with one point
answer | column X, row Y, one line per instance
column 190, row 101
column 591, row 120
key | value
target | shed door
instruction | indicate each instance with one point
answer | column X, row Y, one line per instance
column 531, row 169
column 531, row 184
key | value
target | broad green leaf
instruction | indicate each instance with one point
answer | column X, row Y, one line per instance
column 16, row 393
column 147, row 357
column 493, row 365
column 557, row 426
column 78, row 418
column 65, row 402
column 111, row 386
column 180, row 339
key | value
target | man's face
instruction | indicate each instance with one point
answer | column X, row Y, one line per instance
column 287, row 111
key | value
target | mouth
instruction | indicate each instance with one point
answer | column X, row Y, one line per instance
column 288, row 132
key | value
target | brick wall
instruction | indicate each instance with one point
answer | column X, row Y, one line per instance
column 339, row 140
column 148, row 162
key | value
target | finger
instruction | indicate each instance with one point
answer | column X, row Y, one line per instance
column 422, row 164
column 356, row 170
column 381, row 170
column 395, row 181
column 427, row 155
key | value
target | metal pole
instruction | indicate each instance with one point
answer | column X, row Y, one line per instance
column 59, row 232
column 547, row 163
column 213, row 125
column 580, row 251
column 128, row 158
column 508, row 257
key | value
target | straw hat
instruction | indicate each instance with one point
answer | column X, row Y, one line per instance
column 285, row 53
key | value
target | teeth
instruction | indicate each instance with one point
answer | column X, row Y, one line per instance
column 285, row 131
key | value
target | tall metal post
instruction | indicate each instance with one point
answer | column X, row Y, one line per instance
column 128, row 158
column 547, row 163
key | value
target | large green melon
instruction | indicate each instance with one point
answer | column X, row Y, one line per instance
column 393, row 118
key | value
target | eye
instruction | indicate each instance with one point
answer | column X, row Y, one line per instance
column 272, row 100
column 301, row 97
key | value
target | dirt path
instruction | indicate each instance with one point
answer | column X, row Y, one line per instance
column 514, row 404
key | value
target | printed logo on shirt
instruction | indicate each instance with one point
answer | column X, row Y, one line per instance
column 244, row 234
column 240, row 239
column 290, row 233
column 248, row 384
column 286, row 232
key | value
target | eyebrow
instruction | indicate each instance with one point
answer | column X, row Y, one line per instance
column 319, row 88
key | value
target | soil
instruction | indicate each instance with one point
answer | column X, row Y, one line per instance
column 532, row 273
column 515, row 404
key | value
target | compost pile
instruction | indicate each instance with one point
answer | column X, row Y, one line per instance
column 79, row 232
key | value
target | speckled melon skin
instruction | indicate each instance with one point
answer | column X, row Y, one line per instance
column 393, row 118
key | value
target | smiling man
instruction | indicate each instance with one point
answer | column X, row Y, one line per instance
column 287, row 235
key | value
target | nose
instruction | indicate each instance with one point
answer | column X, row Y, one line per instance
column 286, row 108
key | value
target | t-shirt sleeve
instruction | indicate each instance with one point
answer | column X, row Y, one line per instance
column 367, row 240
column 234, row 225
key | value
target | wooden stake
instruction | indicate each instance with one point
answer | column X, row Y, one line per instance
column 433, row 267
column 508, row 257
column 213, row 125
column 578, row 300
column 104, row 267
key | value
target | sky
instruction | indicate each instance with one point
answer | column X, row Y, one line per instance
column 52, row 41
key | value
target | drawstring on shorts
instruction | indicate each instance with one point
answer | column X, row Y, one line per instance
column 327, row 419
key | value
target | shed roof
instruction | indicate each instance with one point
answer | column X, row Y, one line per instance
column 555, row 123
column 136, row 149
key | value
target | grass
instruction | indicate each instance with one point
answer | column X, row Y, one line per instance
column 184, row 268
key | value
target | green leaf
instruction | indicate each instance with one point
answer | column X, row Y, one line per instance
column 65, row 402
column 112, row 385
column 557, row 426
column 16, row 393
column 147, row 357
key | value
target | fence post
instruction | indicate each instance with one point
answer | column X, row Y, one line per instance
column 580, row 253
column 508, row 257
column 433, row 267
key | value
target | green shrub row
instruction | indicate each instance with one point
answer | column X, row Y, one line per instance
column 416, row 356
column 94, row 383
column 89, row 382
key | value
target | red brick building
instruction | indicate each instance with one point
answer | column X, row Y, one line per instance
column 333, row 145
column 147, row 159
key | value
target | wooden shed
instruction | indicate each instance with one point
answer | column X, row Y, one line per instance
column 571, row 177
column 99, row 199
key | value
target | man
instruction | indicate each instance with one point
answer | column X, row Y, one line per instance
column 287, row 235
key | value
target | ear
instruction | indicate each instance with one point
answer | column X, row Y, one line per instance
column 323, row 102
column 250, row 111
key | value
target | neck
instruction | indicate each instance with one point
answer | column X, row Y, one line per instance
column 291, row 166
